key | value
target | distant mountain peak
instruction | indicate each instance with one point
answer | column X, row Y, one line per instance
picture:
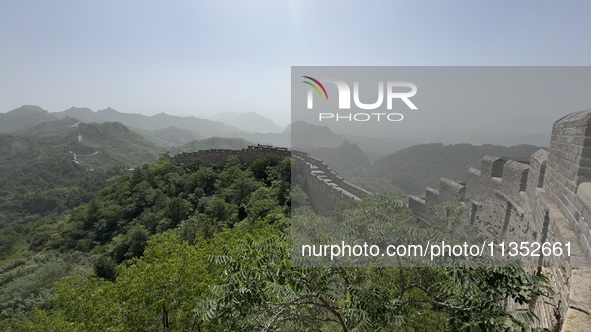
column 23, row 118
column 109, row 109
column 28, row 108
column 205, row 128
column 249, row 121
column 161, row 115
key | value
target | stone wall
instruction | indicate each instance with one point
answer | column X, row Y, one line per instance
column 248, row 155
column 547, row 200
column 325, row 189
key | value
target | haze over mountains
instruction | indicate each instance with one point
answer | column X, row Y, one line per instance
column 108, row 139
column 414, row 168
column 205, row 128
column 163, row 129
column 170, row 130
column 23, row 118
column 249, row 122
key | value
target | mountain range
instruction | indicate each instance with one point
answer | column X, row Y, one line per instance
column 23, row 118
column 163, row 129
column 205, row 128
column 175, row 131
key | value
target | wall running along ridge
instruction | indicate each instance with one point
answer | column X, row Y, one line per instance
column 325, row 189
column 547, row 200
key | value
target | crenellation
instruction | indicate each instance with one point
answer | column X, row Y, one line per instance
column 548, row 200
column 418, row 206
column 537, row 171
column 492, row 166
column 431, row 196
column 450, row 191
column 514, row 180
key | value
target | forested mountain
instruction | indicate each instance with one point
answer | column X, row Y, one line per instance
column 116, row 225
column 53, row 169
column 414, row 168
column 346, row 157
column 56, row 166
column 169, row 136
column 97, row 233
column 163, row 129
column 205, row 128
column 23, row 118
column 169, row 247
column 111, row 144
column 307, row 136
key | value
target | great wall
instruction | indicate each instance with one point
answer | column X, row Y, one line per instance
column 323, row 186
column 545, row 200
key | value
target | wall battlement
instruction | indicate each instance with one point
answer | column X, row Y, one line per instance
column 248, row 155
column 324, row 187
column 547, row 200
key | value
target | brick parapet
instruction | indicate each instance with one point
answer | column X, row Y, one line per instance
column 548, row 200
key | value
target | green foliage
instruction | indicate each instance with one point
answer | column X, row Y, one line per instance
column 47, row 170
column 162, row 196
column 259, row 168
column 477, row 297
column 261, row 290
column 119, row 222
column 261, row 203
column 38, row 321
column 186, row 248
column 24, row 281
column 38, row 177
column 106, row 268
column 155, row 292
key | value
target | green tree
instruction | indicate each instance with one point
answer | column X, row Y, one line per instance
column 222, row 212
column 260, row 204
column 260, row 168
column 106, row 268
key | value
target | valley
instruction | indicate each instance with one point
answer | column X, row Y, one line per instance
column 92, row 201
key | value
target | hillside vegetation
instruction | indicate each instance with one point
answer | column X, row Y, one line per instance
column 208, row 249
column 54, row 167
column 169, row 136
column 99, row 234
column 116, row 225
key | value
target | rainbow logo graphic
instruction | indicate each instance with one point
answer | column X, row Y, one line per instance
column 316, row 85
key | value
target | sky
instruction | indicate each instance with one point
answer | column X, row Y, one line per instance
column 205, row 57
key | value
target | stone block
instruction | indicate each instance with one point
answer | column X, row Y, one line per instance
column 576, row 321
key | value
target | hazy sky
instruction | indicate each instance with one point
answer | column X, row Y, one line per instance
column 204, row 57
